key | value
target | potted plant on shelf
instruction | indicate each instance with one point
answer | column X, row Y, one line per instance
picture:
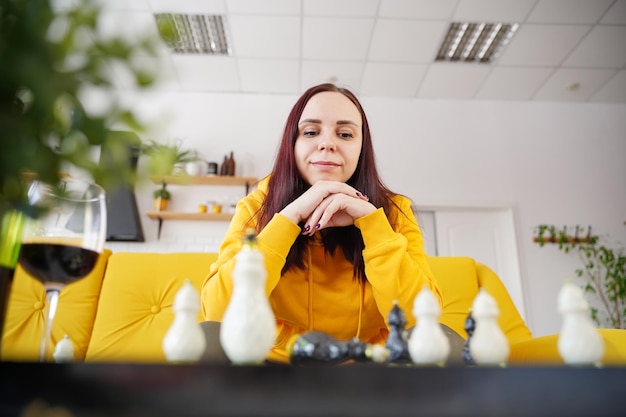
column 162, row 197
column 168, row 158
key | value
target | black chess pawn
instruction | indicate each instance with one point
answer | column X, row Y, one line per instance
column 470, row 326
column 397, row 339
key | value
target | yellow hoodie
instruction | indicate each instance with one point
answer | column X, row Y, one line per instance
column 325, row 296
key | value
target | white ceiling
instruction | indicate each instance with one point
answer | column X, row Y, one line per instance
column 564, row 50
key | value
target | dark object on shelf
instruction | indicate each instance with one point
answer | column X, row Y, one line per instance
column 224, row 166
column 470, row 326
column 397, row 338
column 230, row 165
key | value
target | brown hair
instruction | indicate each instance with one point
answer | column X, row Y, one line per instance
column 286, row 184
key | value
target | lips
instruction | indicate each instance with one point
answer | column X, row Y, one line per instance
column 325, row 163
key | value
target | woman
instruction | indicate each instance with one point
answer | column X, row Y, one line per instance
column 340, row 248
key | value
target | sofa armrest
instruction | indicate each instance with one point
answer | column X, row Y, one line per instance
column 543, row 350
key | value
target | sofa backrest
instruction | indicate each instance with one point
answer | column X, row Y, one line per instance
column 459, row 279
column 75, row 314
column 122, row 313
column 135, row 306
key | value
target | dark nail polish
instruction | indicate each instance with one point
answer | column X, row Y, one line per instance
column 358, row 194
column 317, row 226
column 307, row 228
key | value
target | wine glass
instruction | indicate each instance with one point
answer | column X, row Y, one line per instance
column 63, row 243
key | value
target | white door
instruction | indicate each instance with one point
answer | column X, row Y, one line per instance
column 488, row 236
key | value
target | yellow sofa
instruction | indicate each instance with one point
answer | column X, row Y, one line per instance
column 122, row 310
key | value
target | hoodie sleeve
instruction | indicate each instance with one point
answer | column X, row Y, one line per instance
column 275, row 241
column 395, row 261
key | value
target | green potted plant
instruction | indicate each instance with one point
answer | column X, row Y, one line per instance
column 162, row 197
column 168, row 158
column 47, row 57
column 603, row 272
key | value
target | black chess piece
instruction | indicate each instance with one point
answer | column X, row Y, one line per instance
column 397, row 340
column 315, row 347
column 470, row 326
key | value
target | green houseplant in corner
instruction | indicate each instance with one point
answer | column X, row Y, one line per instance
column 603, row 272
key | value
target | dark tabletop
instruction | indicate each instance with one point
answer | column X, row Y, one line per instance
column 348, row 390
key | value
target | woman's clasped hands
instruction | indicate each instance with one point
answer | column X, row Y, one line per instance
column 328, row 204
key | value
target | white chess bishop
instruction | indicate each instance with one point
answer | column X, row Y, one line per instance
column 488, row 344
column 427, row 343
column 184, row 340
column 579, row 341
column 64, row 350
column 248, row 328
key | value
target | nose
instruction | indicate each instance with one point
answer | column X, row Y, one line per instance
column 326, row 143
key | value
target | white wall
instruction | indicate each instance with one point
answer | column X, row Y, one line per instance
column 556, row 163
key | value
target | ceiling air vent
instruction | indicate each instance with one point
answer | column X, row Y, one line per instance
column 194, row 34
column 475, row 42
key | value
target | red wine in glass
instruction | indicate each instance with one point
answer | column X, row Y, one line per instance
column 62, row 245
column 56, row 263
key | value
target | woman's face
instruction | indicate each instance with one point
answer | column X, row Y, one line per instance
column 329, row 138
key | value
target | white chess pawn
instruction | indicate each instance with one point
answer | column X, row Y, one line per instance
column 184, row 340
column 427, row 343
column 488, row 345
column 579, row 341
column 248, row 328
column 64, row 350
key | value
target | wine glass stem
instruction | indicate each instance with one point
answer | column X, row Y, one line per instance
column 52, row 300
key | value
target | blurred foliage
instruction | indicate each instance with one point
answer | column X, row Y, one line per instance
column 604, row 272
column 47, row 58
column 164, row 156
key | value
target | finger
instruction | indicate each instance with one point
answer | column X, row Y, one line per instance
column 314, row 221
column 336, row 187
column 330, row 213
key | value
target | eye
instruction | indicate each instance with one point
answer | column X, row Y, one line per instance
column 345, row 135
column 309, row 133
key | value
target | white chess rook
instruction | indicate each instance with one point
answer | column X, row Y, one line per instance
column 427, row 343
column 184, row 340
column 579, row 341
column 488, row 345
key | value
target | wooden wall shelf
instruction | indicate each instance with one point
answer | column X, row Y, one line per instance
column 570, row 239
column 206, row 180
column 183, row 215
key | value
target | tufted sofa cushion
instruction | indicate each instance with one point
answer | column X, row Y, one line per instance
column 135, row 306
column 75, row 314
